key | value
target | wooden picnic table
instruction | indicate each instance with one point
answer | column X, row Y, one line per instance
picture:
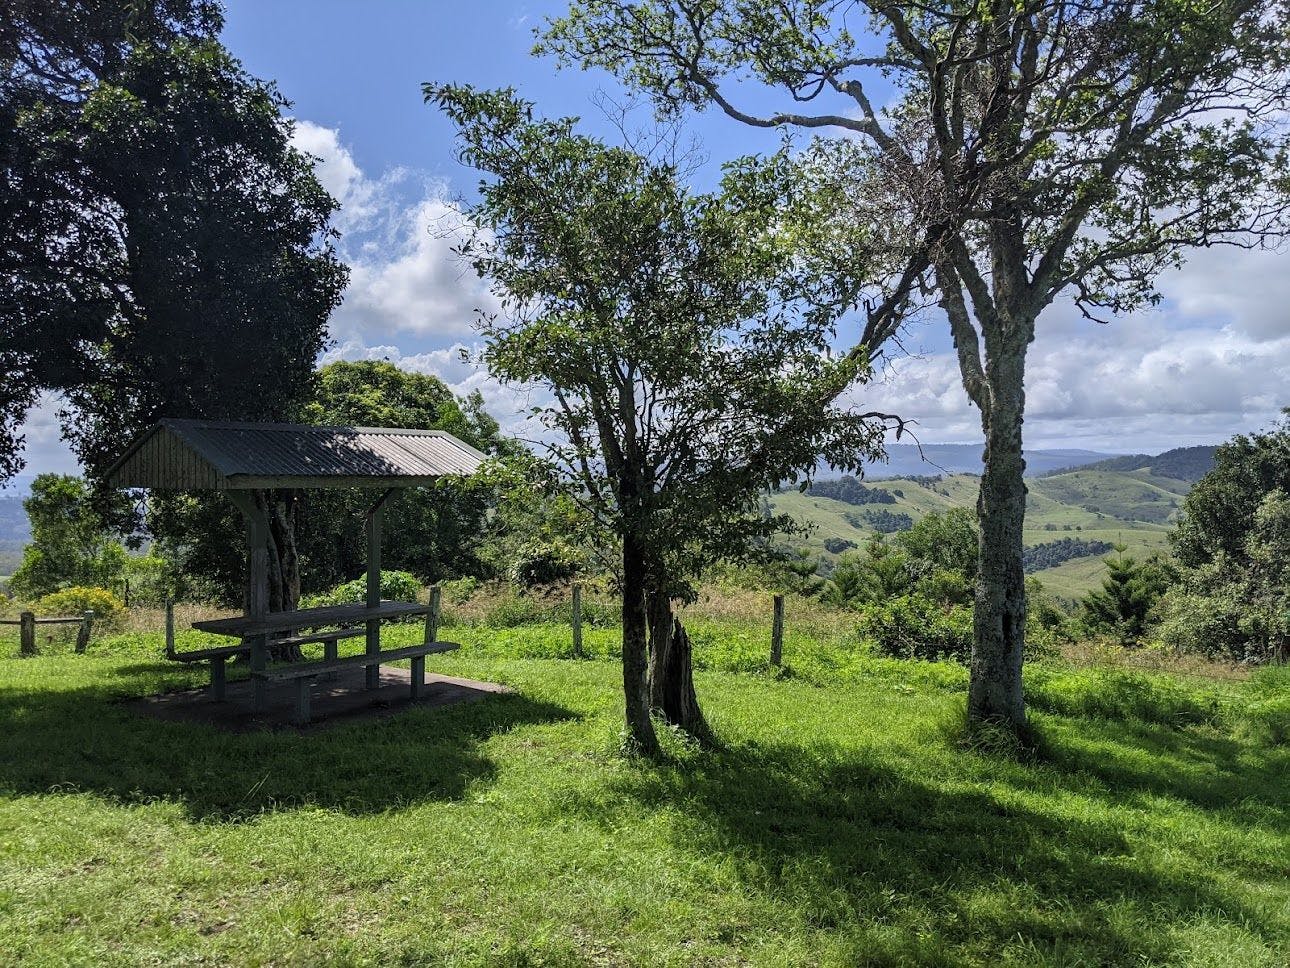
column 256, row 631
column 310, row 618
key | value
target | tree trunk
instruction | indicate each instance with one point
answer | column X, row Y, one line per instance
column 671, row 671
column 994, row 693
column 284, row 561
column 640, row 728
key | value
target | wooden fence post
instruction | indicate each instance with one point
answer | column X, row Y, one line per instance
column 577, row 620
column 432, row 616
column 83, row 633
column 777, row 633
column 170, row 627
column 27, row 633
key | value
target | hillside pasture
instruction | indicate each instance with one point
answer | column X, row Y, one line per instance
column 842, row 821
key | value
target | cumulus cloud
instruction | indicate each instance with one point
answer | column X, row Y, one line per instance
column 1213, row 361
column 398, row 232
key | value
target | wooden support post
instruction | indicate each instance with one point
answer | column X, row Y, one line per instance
column 418, row 676
column 577, row 620
column 432, row 616
column 302, row 701
column 374, row 592
column 170, row 627
column 777, row 633
column 257, row 590
column 218, row 680
column 83, row 633
column 27, row 633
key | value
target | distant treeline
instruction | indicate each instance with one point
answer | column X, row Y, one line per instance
column 880, row 520
column 850, row 491
column 1182, row 464
column 1050, row 554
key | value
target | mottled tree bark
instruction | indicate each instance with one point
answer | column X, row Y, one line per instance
column 995, row 692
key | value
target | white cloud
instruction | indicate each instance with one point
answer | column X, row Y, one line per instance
column 398, row 234
column 1213, row 361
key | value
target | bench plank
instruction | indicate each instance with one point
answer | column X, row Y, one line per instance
column 201, row 655
column 319, row 637
column 302, row 670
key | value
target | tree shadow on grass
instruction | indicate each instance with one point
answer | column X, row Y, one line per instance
column 853, row 844
column 87, row 740
column 1207, row 769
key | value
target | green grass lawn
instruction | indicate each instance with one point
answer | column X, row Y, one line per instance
column 842, row 823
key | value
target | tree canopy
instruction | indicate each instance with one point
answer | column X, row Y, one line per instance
column 1013, row 151
column 683, row 357
column 167, row 250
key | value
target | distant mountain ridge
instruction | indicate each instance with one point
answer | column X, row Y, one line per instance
column 1188, row 464
column 909, row 460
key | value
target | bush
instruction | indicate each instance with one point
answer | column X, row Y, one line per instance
column 1208, row 625
column 397, row 586
column 540, row 563
column 107, row 608
column 913, row 627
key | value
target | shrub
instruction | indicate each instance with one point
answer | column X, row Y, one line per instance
column 107, row 608
column 913, row 627
column 544, row 563
column 398, row 586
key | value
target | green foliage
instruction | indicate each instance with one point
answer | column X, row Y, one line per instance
column 880, row 573
column 545, row 563
column 849, row 490
column 1050, row 554
column 77, row 600
column 682, row 341
column 1128, row 594
column 913, row 627
column 396, row 586
column 203, row 272
column 1234, row 538
column 945, row 541
column 71, row 543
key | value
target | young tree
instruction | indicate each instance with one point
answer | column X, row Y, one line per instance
column 167, row 250
column 71, row 542
column 1028, row 148
column 1128, row 592
column 676, row 338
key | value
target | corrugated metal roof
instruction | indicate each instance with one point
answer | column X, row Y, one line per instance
column 209, row 454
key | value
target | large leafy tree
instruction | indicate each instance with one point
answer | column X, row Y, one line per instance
column 167, row 251
column 1016, row 149
column 678, row 347
column 1233, row 541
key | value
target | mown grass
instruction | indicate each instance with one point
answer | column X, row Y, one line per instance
column 843, row 820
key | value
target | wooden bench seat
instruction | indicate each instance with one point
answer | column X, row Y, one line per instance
column 217, row 657
column 302, row 673
column 201, row 655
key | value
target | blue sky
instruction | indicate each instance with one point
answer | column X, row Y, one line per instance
column 1212, row 361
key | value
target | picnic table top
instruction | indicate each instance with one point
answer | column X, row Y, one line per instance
column 308, row 618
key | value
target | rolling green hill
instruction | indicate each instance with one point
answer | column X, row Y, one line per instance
column 1136, row 508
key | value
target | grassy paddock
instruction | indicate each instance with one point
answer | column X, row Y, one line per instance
column 844, row 821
